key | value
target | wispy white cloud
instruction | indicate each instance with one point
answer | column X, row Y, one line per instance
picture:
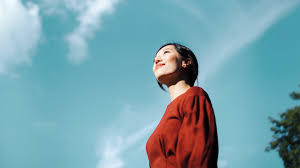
column 89, row 14
column 20, row 32
column 90, row 19
column 188, row 7
column 222, row 163
column 63, row 7
column 110, row 154
column 242, row 29
column 224, row 152
column 233, row 27
column 52, row 7
column 115, row 142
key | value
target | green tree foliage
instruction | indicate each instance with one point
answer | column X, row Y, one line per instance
column 286, row 138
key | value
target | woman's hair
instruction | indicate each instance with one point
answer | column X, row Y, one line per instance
column 186, row 54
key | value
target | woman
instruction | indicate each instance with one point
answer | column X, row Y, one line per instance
column 186, row 136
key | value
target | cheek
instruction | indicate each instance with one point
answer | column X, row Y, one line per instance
column 173, row 63
column 155, row 71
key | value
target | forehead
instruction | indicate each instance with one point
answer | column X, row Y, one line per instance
column 167, row 47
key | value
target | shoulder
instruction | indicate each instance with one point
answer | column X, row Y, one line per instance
column 196, row 91
column 196, row 94
column 195, row 100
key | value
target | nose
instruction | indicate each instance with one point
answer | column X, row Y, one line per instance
column 157, row 59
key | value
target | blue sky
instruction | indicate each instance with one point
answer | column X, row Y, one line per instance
column 77, row 88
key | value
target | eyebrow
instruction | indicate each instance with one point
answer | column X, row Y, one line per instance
column 167, row 49
column 162, row 50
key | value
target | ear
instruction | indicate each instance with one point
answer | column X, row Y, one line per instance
column 186, row 63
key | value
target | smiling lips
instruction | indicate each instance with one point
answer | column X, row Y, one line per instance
column 159, row 65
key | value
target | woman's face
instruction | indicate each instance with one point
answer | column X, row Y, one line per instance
column 167, row 65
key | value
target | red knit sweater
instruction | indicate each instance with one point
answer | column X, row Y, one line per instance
column 186, row 136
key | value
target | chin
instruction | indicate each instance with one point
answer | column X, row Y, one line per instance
column 164, row 79
column 161, row 79
column 168, row 79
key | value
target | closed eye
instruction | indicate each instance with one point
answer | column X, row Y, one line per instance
column 167, row 51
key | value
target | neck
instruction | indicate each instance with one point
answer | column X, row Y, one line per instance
column 177, row 89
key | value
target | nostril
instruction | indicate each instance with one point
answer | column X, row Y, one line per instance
column 157, row 61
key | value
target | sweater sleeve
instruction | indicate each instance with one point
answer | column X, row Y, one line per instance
column 197, row 145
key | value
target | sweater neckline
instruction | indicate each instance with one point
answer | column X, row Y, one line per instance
column 181, row 95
